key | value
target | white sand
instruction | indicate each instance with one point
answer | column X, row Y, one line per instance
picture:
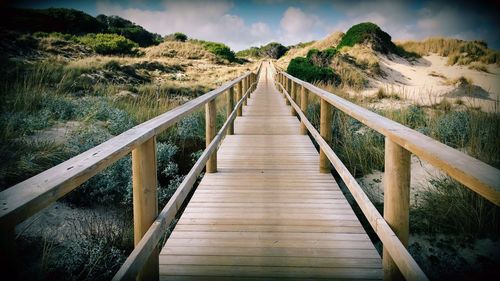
column 413, row 81
column 421, row 173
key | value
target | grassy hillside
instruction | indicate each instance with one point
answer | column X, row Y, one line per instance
column 458, row 51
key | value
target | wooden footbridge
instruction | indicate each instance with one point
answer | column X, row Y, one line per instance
column 267, row 207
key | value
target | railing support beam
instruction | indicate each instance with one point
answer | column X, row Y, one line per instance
column 210, row 131
column 288, row 85
column 304, row 95
column 239, row 94
column 325, row 131
column 229, row 109
column 245, row 88
column 294, row 98
column 396, row 201
column 145, row 200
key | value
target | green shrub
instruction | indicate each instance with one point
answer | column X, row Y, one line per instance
column 321, row 58
column 107, row 187
column 220, row 50
column 368, row 32
column 303, row 69
column 108, row 44
column 453, row 128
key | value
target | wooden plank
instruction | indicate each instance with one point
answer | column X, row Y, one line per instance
column 271, row 252
column 273, row 261
column 268, row 271
column 268, row 203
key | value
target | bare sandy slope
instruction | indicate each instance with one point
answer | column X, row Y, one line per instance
column 428, row 81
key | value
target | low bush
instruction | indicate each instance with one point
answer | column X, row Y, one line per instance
column 109, row 44
column 178, row 36
column 220, row 50
column 453, row 128
column 303, row 69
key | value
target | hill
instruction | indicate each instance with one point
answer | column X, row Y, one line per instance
column 74, row 22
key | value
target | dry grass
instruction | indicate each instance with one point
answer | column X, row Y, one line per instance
column 479, row 67
column 458, row 51
column 180, row 50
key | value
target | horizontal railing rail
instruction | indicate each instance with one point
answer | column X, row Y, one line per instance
column 393, row 228
column 476, row 175
column 24, row 199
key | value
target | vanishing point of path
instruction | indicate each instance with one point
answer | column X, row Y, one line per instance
column 268, row 213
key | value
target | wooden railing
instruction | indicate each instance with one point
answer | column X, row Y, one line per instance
column 32, row 195
column 400, row 142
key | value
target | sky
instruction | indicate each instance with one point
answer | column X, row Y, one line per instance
column 241, row 24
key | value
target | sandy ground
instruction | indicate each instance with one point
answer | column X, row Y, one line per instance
column 421, row 173
column 426, row 82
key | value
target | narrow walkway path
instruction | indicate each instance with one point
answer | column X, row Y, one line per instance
column 268, row 213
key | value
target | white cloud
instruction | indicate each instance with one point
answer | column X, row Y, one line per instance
column 298, row 26
column 198, row 19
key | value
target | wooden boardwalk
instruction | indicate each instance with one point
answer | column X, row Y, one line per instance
column 268, row 213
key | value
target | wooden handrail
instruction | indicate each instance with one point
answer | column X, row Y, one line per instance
column 476, row 175
column 396, row 249
column 392, row 229
column 146, row 246
column 30, row 196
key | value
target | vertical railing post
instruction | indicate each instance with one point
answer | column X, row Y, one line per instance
column 210, row 130
column 145, row 200
column 288, row 89
column 326, row 133
column 229, row 109
column 239, row 94
column 245, row 87
column 396, row 200
column 292, row 95
column 304, row 96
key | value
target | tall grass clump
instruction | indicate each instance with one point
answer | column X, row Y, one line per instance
column 448, row 207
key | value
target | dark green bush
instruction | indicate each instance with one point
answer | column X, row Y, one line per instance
column 177, row 36
column 107, row 44
column 62, row 20
column 368, row 32
column 129, row 30
column 321, row 58
column 303, row 69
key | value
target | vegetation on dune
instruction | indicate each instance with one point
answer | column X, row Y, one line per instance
column 74, row 22
column 272, row 50
column 220, row 50
column 129, row 30
column 370, row 33
column 458, row 51
column 177, row 36
column 62, row 20
column 108, row 44
column 303, row 69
